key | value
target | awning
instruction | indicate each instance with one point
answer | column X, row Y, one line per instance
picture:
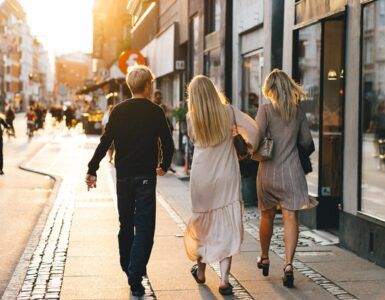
column 160, row 52
column 114, row 85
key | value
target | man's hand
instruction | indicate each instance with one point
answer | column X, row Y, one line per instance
column 160, row 172
column 90, row 181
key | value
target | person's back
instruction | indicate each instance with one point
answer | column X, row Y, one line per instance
column 285, row 134
column 281, row 181
column 135, row 127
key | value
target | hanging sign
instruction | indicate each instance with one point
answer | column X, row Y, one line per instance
column 130, row 58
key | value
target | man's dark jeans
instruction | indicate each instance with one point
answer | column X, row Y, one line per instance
column 137, row 206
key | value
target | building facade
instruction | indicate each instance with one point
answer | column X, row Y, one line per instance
column 20, row 82
column 336, row 51
column 111, row 35
column 72, row 72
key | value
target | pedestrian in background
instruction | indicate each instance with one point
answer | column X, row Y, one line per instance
column 158, row 99
column 5, row 125
column 281, row 181
column 31, row 121
column 135, row 126
column 10, row 118
column 215, row 230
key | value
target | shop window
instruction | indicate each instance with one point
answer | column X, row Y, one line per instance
column 213, row 15
column 373, row 114
column 308, row 74
column 252, row 70
column 212, row 61
column 194, row 45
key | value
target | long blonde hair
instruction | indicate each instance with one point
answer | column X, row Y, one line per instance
column 207, row 111
column 285, row 94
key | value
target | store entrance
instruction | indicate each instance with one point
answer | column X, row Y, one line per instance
column 332, row 125
column 319, row 67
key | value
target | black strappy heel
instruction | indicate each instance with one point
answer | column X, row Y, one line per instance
column 194, row 273
column 226, row 291
column 264, row 266
column 288, row 276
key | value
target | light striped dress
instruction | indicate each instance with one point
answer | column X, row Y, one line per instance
column 281, row 181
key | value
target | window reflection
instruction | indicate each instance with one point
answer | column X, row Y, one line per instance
column 252, row 82
column 373, row 109
column 309, row 57
column 213, row 67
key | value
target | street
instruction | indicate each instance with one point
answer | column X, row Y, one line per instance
column 75, row 255
column 22, row 199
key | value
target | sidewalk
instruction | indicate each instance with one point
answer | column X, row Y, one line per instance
column 77, row 257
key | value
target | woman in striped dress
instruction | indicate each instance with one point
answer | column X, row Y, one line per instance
column 281, row 181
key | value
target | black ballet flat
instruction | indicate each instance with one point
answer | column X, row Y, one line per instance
column 194, row 273
column 288, row 276
column 226, row 291
column 263, row 265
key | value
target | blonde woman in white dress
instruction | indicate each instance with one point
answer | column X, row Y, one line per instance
column 215, row 230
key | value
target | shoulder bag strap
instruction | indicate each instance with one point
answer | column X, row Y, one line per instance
column 268, row 133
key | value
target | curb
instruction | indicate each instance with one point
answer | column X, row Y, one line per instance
column 14, row 286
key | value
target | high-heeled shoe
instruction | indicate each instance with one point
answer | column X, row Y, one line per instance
column 227, row 290
column 288, row 276
column 262, row 264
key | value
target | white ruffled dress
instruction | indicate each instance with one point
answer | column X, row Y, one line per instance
column 215, row 230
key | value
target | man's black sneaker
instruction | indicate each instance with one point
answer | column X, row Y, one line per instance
column 137, row 290
column 1, row 172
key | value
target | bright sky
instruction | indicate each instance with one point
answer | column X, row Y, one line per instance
column 62, row 26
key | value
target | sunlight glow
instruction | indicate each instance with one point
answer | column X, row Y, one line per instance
column 62, row 26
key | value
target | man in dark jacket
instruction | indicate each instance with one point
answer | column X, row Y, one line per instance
column 5, row 125
column 135, row 127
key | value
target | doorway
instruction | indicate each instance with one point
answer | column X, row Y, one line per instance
column 319, row 67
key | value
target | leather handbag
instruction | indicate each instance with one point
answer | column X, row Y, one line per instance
column 266, row 147
column 304, row 157
column 239, row 142
column 305, row 152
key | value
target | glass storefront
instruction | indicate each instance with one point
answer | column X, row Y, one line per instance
column 319, row 67
column 309, row 72
column 332, row 108
column 373, row 110
column 213, row 67
column 252, row 71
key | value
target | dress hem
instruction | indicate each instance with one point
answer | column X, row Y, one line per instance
column 309, row 206
column 231, row 254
